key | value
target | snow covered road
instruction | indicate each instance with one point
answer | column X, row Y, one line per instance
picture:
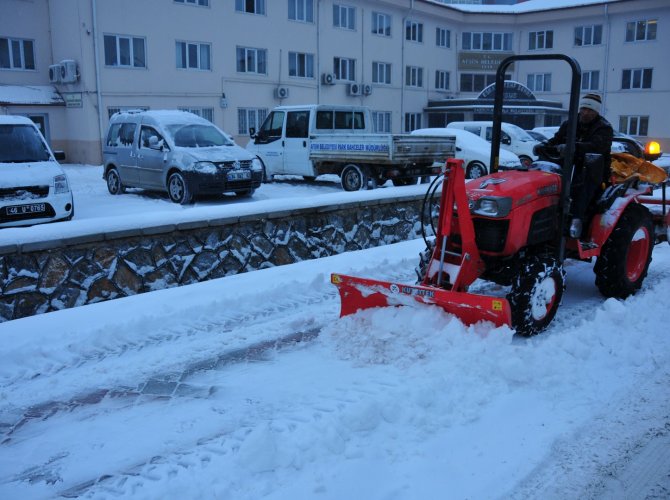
column 185, row 393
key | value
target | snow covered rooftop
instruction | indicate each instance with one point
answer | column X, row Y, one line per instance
column 520, row 8
column 30, row 94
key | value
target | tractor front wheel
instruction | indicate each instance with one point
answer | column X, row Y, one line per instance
column 625, row 257
column 536, row 294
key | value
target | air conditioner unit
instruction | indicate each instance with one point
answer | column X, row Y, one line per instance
column 55, row 71
column 353, row 89
column 328, row 79
column 367, row 89
column 281, row 92
column 69, row 73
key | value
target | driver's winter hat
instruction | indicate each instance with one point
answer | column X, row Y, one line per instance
column 591, row 101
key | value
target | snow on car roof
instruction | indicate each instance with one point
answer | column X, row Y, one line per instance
column 464, row 139
column 14, row 120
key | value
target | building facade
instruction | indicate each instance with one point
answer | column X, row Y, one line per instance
column 70, row 64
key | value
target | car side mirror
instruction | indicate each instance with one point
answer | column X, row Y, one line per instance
column 59, row 155
column 154, row 143
column 252, row 132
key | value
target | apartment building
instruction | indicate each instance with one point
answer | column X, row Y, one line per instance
column 70, row 64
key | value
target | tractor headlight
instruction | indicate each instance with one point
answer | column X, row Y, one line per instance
column 492, row 206
column 60, row 184
column 256, row 165
column 205, row 167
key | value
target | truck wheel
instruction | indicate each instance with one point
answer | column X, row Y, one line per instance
column 475, row 170
column 353, row 178
column 625, row 257
column 536, row 294
column 178, row 189
column 114, row 185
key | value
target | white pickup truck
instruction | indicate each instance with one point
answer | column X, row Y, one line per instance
column 312, row 140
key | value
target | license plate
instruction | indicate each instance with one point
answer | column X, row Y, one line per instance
column 34, row 208
column 239, row 175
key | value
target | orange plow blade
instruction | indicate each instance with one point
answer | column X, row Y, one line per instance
column 357, row 294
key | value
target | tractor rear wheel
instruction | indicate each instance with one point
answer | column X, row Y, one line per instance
column 625, row 257
column 536, row 294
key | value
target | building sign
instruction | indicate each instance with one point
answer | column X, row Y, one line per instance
column 482, row 61
column 512, row 90
column 72, row 99
column 506, row 109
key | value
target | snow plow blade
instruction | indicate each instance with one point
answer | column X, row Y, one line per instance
column 357, row 294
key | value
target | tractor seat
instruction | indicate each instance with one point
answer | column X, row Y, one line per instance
column 617, row 188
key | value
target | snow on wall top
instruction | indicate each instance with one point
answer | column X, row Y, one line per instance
column 30, row 94
column 524, row 7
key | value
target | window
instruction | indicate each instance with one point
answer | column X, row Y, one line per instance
column 476, row 82
column 412, row 121
column 539, row 82
column 442, row 37
column 146, row 134
column 413, row 76
column 16, row 53
column 381, row 73
column 191, row 55
column 636, row 78
column 206, row 113
column 125, row 51
column 301, row 10
column 121, row 134
column 634, row 125
column 250, row 117
column 381, row 122
column 344, row 69
column 540, row 40
column 590, row 80
column 202, row 3
column 344, row 17
column 250, row 60
column 414, row 31
column 638, row 31
column 487, row 41
column 340, row 120
column 441, row 80
column 250, row 6
column 589, row 35
column 301, row 65
column 381, row 24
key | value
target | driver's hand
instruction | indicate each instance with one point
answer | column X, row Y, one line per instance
column 560, row 149
column 537, row 149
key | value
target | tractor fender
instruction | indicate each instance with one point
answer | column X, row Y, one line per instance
column 604, row 223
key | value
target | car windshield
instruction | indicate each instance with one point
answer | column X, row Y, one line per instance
column 21, row 144
column 519, row 133
column 197, row 136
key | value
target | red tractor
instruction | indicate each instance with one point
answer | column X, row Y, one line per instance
column 509, row 227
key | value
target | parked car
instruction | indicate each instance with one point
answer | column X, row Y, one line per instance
column 33, row 187
column 177, row 152
column 473, row 150
column 513, row 138
column 536, row 135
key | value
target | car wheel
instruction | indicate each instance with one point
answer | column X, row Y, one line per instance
column 114, row 185
column 178, row 189
column 475, row 169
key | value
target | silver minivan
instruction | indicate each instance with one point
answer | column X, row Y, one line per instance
column 176, row 152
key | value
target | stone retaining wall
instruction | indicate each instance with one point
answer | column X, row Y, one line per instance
column 52, row 275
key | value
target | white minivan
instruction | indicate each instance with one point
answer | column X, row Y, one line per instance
column 33, row 187
column 513, row 138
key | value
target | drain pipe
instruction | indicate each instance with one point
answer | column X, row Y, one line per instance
column 96, row 58
column 608, row 23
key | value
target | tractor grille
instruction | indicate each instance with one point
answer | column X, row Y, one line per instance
column 542, row 226
column 491, row 235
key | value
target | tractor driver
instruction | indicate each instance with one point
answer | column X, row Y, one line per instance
column 594, row 135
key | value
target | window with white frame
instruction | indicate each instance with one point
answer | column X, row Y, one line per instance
column 476, row 82
column 381, row 122
column 634, row 125
column 442, row 37
column 589, row 35
column 591, row 80
column 639, row 78
column 251, row 60
column 381, row 24
column 441, row 80
column 638, row 31
column 125, row 51
column 540, row 40
column 344, row 17
column 202, row 3
column 301, row 64
column 250, row 117
column 413, row 76
column 539, row 82
column 193, row 55
column 301, row 10
column 487, row 41
column 17, row 53
column 206, row 113
column 381, row 72
column 344, row 68
column 414, row 31
column 250, row 6
column 412, row 121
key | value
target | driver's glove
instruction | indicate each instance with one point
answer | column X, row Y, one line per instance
column 537, row 149
column 560, row 149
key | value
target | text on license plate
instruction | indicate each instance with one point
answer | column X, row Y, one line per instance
column 34, row 208
column 239, row 175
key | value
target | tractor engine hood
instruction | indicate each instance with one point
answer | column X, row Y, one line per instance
column 519, row 187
